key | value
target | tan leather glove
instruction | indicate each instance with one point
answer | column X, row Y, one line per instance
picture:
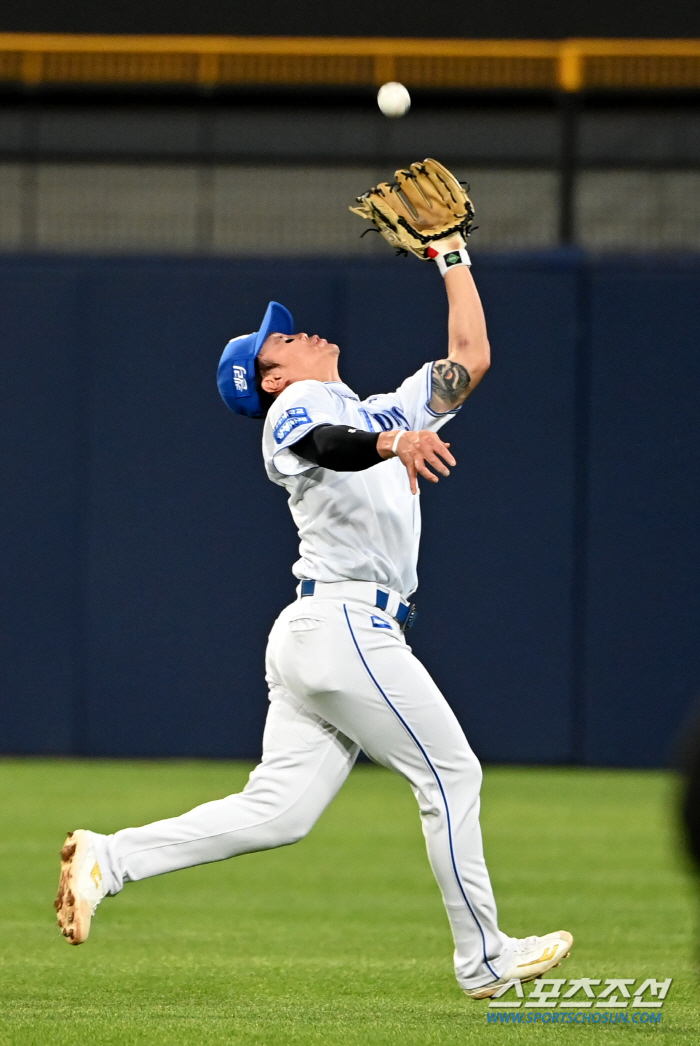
column 425, row 204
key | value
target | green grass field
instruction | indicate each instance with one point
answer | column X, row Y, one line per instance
column 341, row 939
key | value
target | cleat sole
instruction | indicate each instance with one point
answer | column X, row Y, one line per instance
column 73, row 917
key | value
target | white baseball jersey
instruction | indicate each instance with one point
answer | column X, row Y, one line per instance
column 360, row 526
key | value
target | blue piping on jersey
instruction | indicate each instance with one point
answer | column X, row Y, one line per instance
column 440, row 786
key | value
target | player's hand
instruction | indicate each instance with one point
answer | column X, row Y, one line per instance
column 418, row 450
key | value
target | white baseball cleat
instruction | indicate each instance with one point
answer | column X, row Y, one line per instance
column 533, row 957
column 80, row 888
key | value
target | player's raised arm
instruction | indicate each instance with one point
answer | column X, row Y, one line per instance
column 427, row 211
column 468, row 353
column 468, row 359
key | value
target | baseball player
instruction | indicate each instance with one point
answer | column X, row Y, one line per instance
column 341, row 676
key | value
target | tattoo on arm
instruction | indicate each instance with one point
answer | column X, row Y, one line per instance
column 450, row 381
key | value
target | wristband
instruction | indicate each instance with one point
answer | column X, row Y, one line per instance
column 449, row 259
column 395, row 444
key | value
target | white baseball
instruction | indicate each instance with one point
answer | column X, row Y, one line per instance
column 393, row 99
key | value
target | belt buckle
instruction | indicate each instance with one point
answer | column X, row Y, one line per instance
column 410, row 618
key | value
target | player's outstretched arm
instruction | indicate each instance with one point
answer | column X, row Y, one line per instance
column 468, row 354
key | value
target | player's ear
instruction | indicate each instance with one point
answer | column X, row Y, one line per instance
column 272, row 382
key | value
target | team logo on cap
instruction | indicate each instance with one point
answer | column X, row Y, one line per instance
column 240, row 379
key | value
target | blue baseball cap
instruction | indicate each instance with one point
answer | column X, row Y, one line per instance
column 236, row 374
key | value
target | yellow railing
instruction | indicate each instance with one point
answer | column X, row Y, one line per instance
column 223, row 61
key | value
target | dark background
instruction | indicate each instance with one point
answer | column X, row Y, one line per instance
column 546, row 19
column 147, row 555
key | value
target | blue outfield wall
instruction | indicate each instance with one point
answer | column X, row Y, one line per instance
column 145, row 555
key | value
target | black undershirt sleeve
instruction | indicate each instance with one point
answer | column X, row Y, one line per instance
column 340, row 448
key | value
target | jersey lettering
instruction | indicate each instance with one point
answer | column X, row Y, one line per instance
column 401, row 418
column 392, row 418
column 289, row 421
column 385, row 421
column 368, row 418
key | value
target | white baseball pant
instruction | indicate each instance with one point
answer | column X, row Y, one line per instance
column 341, row 678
